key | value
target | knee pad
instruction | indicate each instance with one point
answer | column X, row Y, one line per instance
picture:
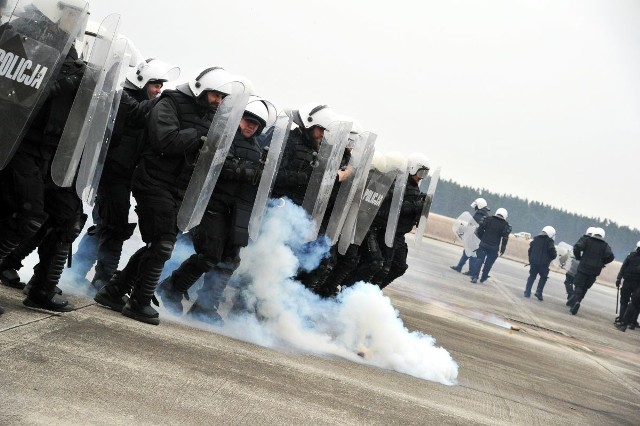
column 162, row 250
column 28, row 226
column 205, row 263
column 69, row 231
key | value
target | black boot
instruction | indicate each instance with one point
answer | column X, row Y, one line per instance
column 205, row 308
column 170, row 298
column 138, row 307
column 114, row 294
column 43, row 289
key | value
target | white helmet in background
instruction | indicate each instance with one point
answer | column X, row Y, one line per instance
column 152, row 71
column 314, row 114
column 379, row 161
column 598, row 233
column 261, row 111
column 590, row 230
column 216, row 79
column 502, row 212
column 84, row 46
column 550, row 231
column 63, row 12
column 638, row 244
column 354, row 133
column 479, row 203
column 395, row 161
column 418, row 164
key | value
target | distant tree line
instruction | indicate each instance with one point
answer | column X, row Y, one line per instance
column 451, row 199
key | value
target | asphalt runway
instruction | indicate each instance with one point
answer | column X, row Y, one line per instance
column 521, row 362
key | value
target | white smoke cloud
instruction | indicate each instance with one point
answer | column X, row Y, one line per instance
column 360, row 324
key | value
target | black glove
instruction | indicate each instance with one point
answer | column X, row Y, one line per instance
column 618, row 282
column 230, row 169
column 249, row 172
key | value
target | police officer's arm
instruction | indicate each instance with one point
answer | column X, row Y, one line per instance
column 135, row 113
column 505, row 238
column 608, row 255
column 623, row 268
column 165, row 135
column 578, row 248
column 551, row 249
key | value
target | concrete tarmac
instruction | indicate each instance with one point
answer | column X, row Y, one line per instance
column 521, row 362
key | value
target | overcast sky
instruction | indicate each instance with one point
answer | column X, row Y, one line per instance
column 539, row 99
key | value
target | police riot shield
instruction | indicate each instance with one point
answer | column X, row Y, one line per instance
column 33, row 45
column 107, row 107
column 465, row 229
column 360, row 161
column 396, row 202
column 431, row 190
column 565, row 256
column 212, row 156
column 85, row 106
column 365, row 206
column 323, row 175
column 280, row 133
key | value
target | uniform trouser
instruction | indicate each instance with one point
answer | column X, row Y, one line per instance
column 85, row 256
column 398, row 264
column 157, row 209
column 630, row 316
column 485, row 260
column 344, row 265
column 582, row 284
column 113, row 204
column 65, row 222
column 534, row 271
column 211, row 244
column 626, row 291
column 371, row 258
column 24, row 180
column 462, row 261
column 568, row 284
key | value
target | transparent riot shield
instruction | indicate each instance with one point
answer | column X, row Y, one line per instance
column 83, row 112
column 365, row 207
column 422, row 224
column 272, row 162
column 396, row 203
column 361, row 157
column 465, row 229
column 32, row 49
column 107, row 107
column 323, row 176
column 565, row 254
column 212, row 156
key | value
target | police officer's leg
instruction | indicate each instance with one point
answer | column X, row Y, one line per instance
column 25, row 186
column 85, row 256
column 157, row 212
column 371, row 259
column 476, row 264
column 533, row 273
column 387, row 260
column 544, row 276
column 13, row 263
column 461, row 262
column 114, row 201
column 399, row 263
column 568, row 285
column 209, row 239
column 581, row 284
column 66, row 222
column 625, row 295
column 491, row 257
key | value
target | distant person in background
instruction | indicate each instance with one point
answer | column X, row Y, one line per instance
column 494, row 235
column 630, row 291
column 481, row 211
column 542, row 251
column 594, row 253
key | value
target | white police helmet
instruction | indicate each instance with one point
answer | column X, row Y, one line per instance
column 550, row 231
column 152, row 70
column 261, row 111
column 216, row 79
column 502, row 212
column 479, row 203
column 418, row 164
column 314, row 114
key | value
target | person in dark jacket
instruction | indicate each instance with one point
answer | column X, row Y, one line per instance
column 380, row 264
column 481, row 211
column 594, row 253
column 630, row 291
column 111, row 212
column 176, row 129
column 37, row 203
column 224, row 227
column 494, row 235
column 542, row 251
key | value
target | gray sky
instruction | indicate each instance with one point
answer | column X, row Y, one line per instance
column 539, row 99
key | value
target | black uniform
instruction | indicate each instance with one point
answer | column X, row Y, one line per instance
column 542, row 251
column 111, row 212
column 35, row 199
column 494, row 235
column 478, row 216
column 221, row 233
column 593, row 254
column 380, row 264
column 173, row 135
column 630, row 291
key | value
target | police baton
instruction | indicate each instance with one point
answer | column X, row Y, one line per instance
column 617, row 298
